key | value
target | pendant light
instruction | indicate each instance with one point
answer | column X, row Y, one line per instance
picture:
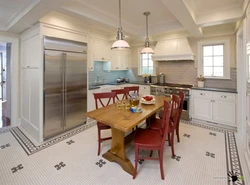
column 120, row 43
column 147, row 48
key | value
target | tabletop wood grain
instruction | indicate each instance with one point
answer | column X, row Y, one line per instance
column 125, row 120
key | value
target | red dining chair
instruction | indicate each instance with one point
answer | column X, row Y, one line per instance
column 122, row 92
column 156, row 124
column 182, row 97
column 134, row 89
column 103, row 99
column 146, row 139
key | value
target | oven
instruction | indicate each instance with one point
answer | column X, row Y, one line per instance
column 168, row 89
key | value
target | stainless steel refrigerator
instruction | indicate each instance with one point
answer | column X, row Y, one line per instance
column 65, row 85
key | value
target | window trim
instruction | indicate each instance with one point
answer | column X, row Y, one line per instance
column 226, row 57
column 139, row 63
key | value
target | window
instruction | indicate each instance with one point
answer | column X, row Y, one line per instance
column 147, row 64
column 213, row 58
column 213, row 61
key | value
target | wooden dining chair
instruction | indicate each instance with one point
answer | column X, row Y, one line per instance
column 122, row 92
column 133, row 89
column 182, row 97
column 156, row 124
column 146, row 139
column 102, row 100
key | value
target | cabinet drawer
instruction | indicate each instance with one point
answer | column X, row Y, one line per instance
column 202, row 94
column 223, row 96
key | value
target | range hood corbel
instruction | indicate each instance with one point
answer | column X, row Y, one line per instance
column 173, row 50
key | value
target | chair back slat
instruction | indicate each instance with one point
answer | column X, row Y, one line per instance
column 165, row 120
column 176, row 103
column 99, row 98
column 123, row 92
column 182, row 97
column 133, row 89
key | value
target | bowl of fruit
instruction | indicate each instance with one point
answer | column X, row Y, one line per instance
column 148, row 99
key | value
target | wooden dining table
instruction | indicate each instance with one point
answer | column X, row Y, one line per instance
column 122, row 121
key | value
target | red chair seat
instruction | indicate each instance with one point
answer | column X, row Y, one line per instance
column 142, row 139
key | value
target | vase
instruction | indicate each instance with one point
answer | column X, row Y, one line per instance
column 200, row 83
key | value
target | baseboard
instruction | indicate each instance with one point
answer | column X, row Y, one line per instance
column 231, row 128
column 33, row 131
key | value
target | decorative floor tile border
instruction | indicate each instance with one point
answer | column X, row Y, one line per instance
column 30, row 148
column 233, row 161
column 206, row 126
column 235, row 174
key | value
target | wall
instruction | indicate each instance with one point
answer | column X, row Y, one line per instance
column 186, row 71
column 110, row 77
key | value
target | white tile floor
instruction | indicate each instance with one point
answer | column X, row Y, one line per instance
column 203, row 157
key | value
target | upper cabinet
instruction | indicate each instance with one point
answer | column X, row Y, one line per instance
column 120, row 60
column 31, row 49
column 100, row 50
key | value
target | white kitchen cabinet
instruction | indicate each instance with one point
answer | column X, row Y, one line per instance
column 144, row 89
column 31, row 94
column 120, row 60
column 100, row 50
column 218, row 107
column 31, row 82
column 30, row 51
column 91, row 99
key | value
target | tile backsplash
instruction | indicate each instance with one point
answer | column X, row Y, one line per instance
column 184, row 72
column 108, row 77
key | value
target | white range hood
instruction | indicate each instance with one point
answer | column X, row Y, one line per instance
column 173, row 50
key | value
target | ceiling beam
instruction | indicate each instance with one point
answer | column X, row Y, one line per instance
column 32, row 17
column 181, row 12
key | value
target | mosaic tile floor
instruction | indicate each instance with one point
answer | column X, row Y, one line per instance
column 205, row 155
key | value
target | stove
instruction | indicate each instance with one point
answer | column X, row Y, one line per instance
column 170, row 88
column 167, row 89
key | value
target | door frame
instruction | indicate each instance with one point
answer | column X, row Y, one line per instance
column 14, row 74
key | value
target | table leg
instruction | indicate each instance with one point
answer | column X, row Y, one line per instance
column 117, row 151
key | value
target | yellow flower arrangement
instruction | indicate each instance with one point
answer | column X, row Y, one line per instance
column 201, row 78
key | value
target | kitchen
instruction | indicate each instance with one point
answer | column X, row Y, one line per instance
column 58, row 24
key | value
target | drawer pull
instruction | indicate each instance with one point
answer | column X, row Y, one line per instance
column 202, row 94
column 223, row 96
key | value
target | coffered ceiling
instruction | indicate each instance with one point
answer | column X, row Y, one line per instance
column 194, row 16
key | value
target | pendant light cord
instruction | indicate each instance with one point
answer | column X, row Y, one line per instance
column 120, row 14
column 147, row 25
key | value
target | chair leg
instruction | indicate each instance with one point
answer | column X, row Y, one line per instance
column 172, row 144
column 136, row 161
column 177, row 133
column 151, row 153
column 161, row 163
column 99, row 141
column 169, row 142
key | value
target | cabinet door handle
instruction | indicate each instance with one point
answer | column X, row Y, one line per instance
column 223, row 96
column 202, row 94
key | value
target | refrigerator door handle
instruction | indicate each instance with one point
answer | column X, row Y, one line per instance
column 63, row 89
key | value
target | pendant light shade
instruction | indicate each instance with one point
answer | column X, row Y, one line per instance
column 120, row 43
column 147, row 48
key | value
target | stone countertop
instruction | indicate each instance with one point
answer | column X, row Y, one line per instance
column 215, row 89
column 97, row 86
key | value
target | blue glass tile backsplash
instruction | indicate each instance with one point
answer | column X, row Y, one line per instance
column 108, row 77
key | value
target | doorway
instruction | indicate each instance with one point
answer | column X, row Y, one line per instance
column 5, row 101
